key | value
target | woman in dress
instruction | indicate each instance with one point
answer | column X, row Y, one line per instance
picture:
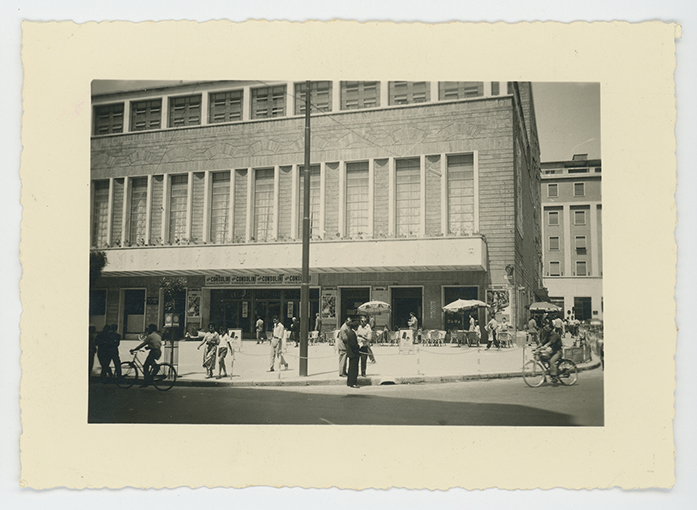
column 211, row 341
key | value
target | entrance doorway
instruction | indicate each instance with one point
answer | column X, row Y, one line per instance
column 133, row 312
column 351, row 299
column 582, row 308
column 404, row 301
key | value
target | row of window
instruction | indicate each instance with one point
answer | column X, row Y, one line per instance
column 555, row 268
column 579, row 244
column 579, row 189
column 226, row 215
column 270, row 101
column 579, row 217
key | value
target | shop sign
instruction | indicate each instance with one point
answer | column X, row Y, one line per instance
column 152, row 300
column 265, row 279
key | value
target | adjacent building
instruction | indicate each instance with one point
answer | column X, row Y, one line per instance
column 572, row 230
column 421, row 193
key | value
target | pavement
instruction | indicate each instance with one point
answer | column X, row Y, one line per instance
column 422, row 364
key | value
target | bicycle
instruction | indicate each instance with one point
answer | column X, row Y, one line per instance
column 535, row 371
column 164, row 379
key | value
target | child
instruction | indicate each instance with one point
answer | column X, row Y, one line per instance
column 222, row 352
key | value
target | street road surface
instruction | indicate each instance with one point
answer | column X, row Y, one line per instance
column 498, row 402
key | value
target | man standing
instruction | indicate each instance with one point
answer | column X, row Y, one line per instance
column 364, row 334
column 532, row 330
column 413, row 324
column 277, row 345
column 341, row 340
column 318, row 326
column 294, row 331
column 260, row 330
column 491, row 328
column 353, row 353
column 153, row 342
column 114, row 342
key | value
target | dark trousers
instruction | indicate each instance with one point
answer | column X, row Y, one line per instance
column 492, row 337
column 352, row 372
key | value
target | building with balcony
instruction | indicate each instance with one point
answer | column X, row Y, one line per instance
column 572, row 230
column 421, row 193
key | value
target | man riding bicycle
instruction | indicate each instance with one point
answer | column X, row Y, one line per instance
column 551, row 351
column 152, row 342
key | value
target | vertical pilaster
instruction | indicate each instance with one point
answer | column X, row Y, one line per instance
column 476, row 190
column 166, row 194
column 296, row 175
column 422, row 197
column 189, row 202
column 249, row 225
column 342, row 198
column 434, row 92
column 207, row 192
column 384, row 93
column 444, row 220
column 276, row 194
column 322, row 196
column 164, row 113
column 246, row 103
column 371, row 196
column 229, row 236
column 205, row 96
column 566, row 232
column 125, row 216
column 336, row 96
column 148, row 210
column 391, row 198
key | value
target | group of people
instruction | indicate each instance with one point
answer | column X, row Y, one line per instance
column 294, row 329
column 217, row 345
column 105, row 345
column 354, row 346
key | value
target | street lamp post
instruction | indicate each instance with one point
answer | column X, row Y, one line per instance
column 305, row 285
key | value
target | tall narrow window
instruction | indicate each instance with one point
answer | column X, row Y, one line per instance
column 450, row 90
column 100, row 215
column 263, row 204
column 269, row 102
column 357, row 185
column 552, row 190
column 408, row 196
column 408, row 92
column 579, row 217
column 461, row 193
column 185, row 111
column 108, row 119
column 146, row 115
column 554, row 243
column 225, row 106
column 579, row 189
column 494, row 88
column 177, row 208
column 139, row 195
column 553, row 218
column 320, row 97
column 356, row 95
column 581, row 268
column 220, row 207
column 314, row 200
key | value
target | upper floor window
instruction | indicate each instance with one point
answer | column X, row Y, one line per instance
column 408, row 196
column 220, row 207
column 554, row 243
column 450, row 90
column 357, row 185
column 581, row 269
column 494, row 88
column 100, row 213
column 554, row 268
column 579, row 217
column 579, row 189
column 461, row 193
column 108, row 118
column 146, row 115
column 139, row 194
column 177, row 208
column 552, row 190
column 360, row 94
column 553, row 218
column 314, row 199
column 320, row 97
column 408, row 92
column 185, row 111
column 269, row 102
column 263, row 204
column 225, row 106
column 580, row 245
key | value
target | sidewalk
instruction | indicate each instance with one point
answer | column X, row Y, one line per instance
column 447, row 363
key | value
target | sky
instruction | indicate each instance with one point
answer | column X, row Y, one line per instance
column 568, row 115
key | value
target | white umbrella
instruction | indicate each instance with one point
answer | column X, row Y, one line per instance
column 544, row 306
column 374, row 307
column 460, row 305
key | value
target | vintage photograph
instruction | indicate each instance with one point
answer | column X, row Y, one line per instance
column 455, row 253
column 454, row 238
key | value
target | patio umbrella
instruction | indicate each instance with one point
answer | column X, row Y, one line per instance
column 374, row 307
column 543, row 306
column 460, row 305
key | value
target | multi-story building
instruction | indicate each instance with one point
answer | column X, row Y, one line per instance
column 572, row 230
column 421, row 193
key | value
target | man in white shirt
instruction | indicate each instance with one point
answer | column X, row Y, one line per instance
column 277, row 345
column 365, row 335
column 260, row 330
column 492, row 326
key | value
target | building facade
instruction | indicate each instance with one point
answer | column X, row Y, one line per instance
column 421, row 193
column 572, row 230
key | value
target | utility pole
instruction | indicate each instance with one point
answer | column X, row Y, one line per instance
column 305, row 286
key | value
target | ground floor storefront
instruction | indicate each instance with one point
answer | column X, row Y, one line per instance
column 582, row 297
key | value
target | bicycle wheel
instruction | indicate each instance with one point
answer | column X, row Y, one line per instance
column 129, row 375
column 567, row 372
column 533, row 374
column 165, row 377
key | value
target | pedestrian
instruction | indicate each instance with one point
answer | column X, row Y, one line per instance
column 341, row 339
column 364, row 334
column 353, row 354
column 294, row 326
column 491, row 328
column 261, row 334
column 279, row 332
column 471, row 323
column 532, row 330
column 318, row 327
column 92, row 348
column 104, row 352
column 211, row 340
column 223, row 350
column 114, row 342
column 413, row 324
column 152, row 342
